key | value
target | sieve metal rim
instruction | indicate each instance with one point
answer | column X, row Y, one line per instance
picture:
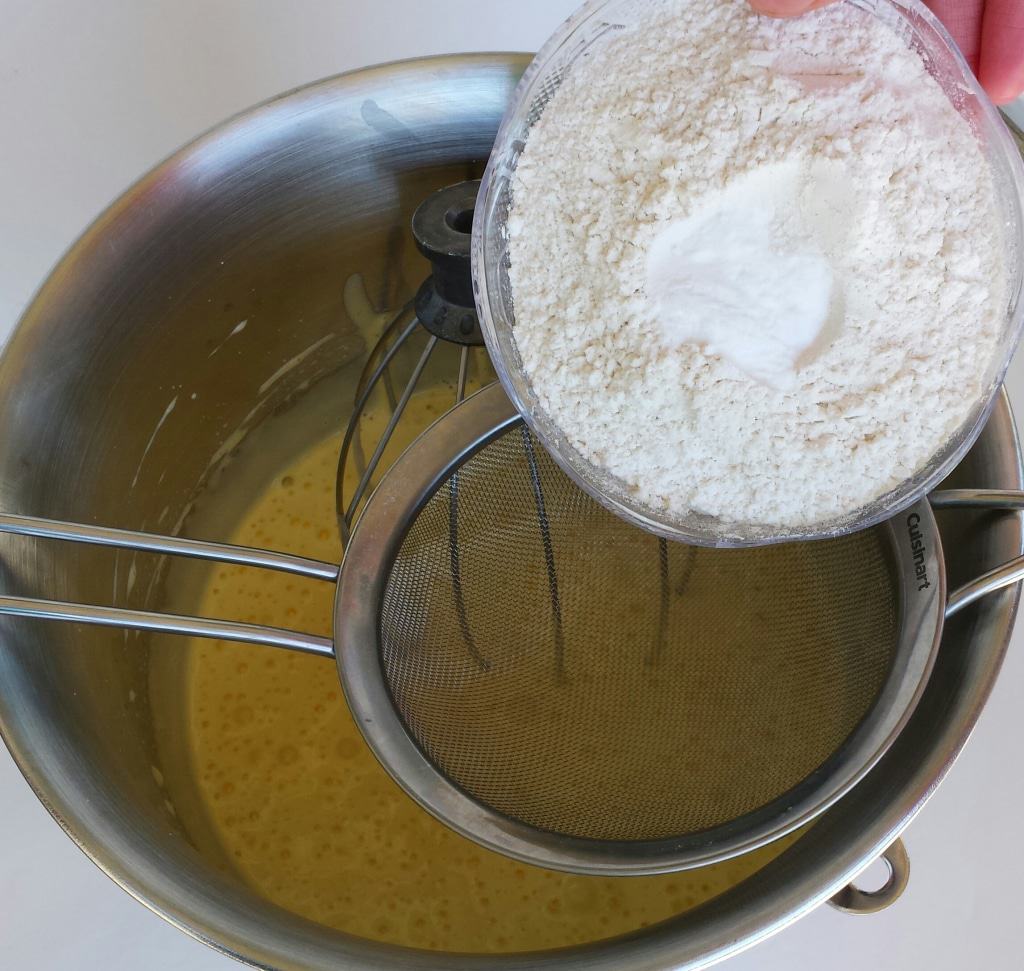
column 407, row 487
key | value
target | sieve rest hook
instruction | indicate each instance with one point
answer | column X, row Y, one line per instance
column 168, row 623
column 1002, row 576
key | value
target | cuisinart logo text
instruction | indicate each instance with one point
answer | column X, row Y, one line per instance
column 918, row 547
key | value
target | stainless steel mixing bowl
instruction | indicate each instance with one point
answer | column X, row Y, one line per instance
column 119, row 400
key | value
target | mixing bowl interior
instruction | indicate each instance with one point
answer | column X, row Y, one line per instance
column 266, row 768
column 132, row 381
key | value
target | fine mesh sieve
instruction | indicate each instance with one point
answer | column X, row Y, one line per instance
column 596, row 682
column 575, row 692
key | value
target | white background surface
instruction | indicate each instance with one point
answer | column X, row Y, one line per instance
column 94, row 93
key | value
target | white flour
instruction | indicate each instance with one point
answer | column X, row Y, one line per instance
column 636, row 322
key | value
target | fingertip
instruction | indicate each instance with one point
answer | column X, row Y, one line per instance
column 1001, row 71
column 782, row 8
column 963, row 19
column 1002, row 90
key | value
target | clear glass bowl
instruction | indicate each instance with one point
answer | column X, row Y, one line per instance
column 596, row 19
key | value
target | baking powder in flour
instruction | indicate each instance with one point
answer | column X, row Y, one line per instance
column 757, row 265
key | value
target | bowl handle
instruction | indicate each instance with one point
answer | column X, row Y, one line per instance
column 852, row 900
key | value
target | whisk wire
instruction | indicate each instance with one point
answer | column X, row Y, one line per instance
column 362, row 398
column 378, row 452
column 549, row 552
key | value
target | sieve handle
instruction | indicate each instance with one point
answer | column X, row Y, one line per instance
column 126, row 539
column 167, row 623
column 852, row 900
column 1003, row 576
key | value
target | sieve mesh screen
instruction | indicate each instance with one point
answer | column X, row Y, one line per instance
column 582, row 676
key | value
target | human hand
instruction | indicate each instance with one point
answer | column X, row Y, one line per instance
column 989, row 32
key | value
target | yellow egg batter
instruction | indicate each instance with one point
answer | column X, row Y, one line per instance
column 309, row 817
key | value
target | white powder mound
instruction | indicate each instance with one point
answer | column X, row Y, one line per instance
column 681, row 393
column 750, row 275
